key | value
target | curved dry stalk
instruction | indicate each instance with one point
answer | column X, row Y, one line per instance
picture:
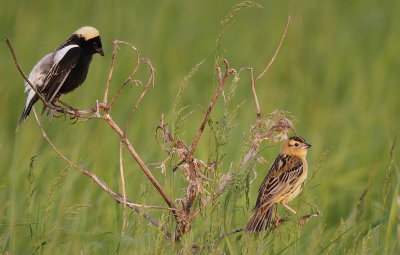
column 130, row 77
column 221, row 80
column 276, row 52
column 253, row 89
column 139, row 101
column 110, row 73
column 119, row 198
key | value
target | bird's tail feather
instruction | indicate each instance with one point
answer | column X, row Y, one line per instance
column 27, row 110
column 261, row 219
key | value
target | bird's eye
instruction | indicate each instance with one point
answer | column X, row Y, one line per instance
column 296, row 144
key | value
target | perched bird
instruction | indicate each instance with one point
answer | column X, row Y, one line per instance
column 64, row 69
column 282, row 184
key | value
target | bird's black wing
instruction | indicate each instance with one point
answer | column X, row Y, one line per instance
column 65, row 60
column 283, row 173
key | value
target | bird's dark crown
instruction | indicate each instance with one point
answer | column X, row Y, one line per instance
column 297, row 139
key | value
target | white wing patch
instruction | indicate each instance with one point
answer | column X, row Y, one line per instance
column 61, row 53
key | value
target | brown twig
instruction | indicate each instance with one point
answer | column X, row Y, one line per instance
column 276, row 51
column 253, row 89
column 130, row 77
column 221, row 81
column 110, row 73
column 136, row 156
column 102, row 185
column 146, row 87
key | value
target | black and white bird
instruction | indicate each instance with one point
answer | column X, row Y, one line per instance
column 63, row 70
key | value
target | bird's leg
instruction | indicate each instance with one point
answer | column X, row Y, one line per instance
column 76, row 111
column 277, row 217
column 287, row 207
column 54, row 109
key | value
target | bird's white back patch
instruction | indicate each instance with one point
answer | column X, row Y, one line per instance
column 39, row 72
column 87, row 32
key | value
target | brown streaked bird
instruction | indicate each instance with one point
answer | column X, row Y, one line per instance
column 63, row 70
column 282, row 184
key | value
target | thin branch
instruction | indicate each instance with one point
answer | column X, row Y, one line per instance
column 110, row 73
column 102, row 185
column 253, row 89
column 139, row 101
column 276, row 51
column 130, row 77
column 222, row 81
column 121, row 170
column 140, row 162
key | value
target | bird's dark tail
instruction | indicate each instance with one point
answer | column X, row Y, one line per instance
column 261, row 219
column 27, row 110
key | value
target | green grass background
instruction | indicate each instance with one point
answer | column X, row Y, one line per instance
column 338, row 72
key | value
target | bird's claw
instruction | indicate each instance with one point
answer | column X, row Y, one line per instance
column 75, row 115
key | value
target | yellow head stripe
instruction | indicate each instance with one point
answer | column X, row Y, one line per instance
column 87, row 32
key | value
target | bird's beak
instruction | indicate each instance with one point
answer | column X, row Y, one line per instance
column 100, row 51
column 307, row 145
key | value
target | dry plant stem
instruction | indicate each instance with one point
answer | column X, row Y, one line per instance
column 121, row 169
column 130, row 77
column 114, row 55
column 139, row 101
column 136, row 156
column 221, row 81
column 253, row 89
column 192, row 175
column 276, row 51
column 119, row 198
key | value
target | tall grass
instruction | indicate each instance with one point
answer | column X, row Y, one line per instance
column 337, row 73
